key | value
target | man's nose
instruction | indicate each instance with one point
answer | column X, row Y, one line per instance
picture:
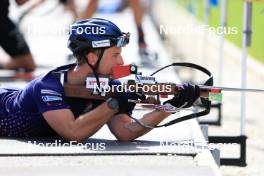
column 120, row 61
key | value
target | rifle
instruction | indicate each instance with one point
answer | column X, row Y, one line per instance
column 149, row 86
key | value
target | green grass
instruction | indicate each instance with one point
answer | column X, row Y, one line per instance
column 235, row 19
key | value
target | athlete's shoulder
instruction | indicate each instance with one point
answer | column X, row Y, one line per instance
column 48, row 91
column 57, row 72
column 52, row 81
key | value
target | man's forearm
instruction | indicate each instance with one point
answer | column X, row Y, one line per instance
column 152, row 119
column 89, row 123
column 127, row 130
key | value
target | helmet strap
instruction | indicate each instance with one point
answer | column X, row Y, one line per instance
column 96, row 66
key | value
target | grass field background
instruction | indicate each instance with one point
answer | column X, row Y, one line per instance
column 235, row 19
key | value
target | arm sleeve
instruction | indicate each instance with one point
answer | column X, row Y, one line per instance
column 49, row 95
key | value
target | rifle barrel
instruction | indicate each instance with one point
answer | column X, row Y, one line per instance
column 233, row 89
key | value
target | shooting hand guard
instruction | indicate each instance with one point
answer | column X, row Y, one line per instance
column 186, row 97
column 123, row 98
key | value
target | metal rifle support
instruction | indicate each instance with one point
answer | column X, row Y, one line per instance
column 241, row 139
column 218, row 121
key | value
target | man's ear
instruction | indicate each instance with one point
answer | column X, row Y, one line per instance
column 92, row 58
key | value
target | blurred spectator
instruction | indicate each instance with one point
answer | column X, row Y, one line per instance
column 13, row 42
column 138, row 13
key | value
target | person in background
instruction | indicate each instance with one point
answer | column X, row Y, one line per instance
column 13, row 42
column 138, row 12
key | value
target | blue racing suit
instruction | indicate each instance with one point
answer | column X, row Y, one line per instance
column 21, row 109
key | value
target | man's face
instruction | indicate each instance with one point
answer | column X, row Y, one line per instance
column 111, row 58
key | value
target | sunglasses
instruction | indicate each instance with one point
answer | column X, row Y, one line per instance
column 121, row 41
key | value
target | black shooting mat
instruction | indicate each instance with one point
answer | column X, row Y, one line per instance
column 178, row 139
